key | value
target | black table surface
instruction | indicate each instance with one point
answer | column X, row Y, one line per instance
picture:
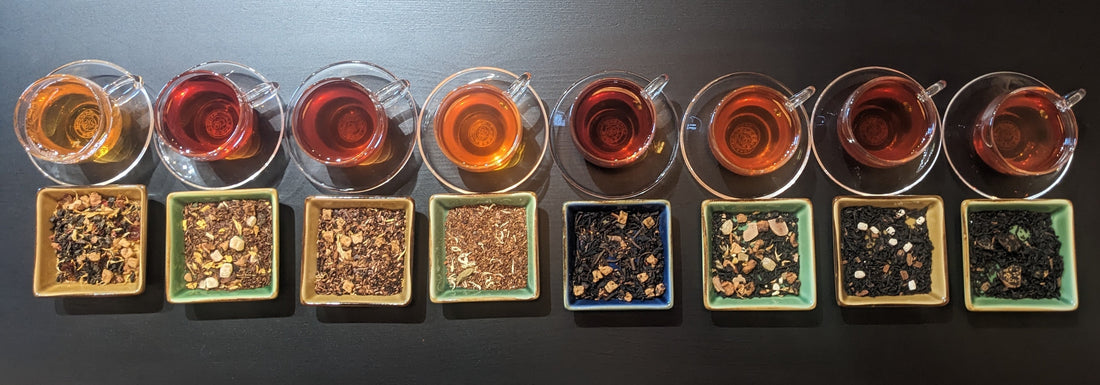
column 146, row 339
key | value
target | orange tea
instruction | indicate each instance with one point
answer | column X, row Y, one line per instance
column 752, row 132
column 66, row 115
column 478, row 128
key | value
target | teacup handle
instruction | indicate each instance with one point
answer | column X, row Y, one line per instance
column 388, row 94
column 1070, row 99
column 798, row 99
column 519, row 87
column 655, row 86
column 932, row 90
column 261, row 93
column 123, row 89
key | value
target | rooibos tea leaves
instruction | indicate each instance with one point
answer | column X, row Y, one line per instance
column 1014, row 254
column 619, row 255
column 96, row 239
column 755, row 254
column 885, row 251
column 228, row 244
column 486, row 247
column 361, row 251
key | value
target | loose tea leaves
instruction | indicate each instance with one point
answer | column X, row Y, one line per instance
column 1014, row 254
column 755, row 254
column 360, row 251
column 486, row 247
column 228, row 244
column 97, row 239
column 885, row 251
column 619, row 255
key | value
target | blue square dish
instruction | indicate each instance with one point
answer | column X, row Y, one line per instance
column 664, row 227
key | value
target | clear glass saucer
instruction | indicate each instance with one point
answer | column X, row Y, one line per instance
column 708, row 171
column 522, row 165
column 228, row 174
column 138, row 121
column 844, row 170
column 614, row 183
column 401, row 112
column 959, row 119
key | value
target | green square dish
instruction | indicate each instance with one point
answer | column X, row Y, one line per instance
column 1061, row 215
column 807, row 296
column 175, row 290
column 438, row 208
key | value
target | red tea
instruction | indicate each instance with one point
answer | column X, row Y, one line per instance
column 201, row 117
column 887, row 124
column 613, row 124
column 752, row 132
column 338, row 123
column 478, row 128
column 1027, row 134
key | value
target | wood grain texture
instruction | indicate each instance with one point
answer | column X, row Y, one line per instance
column 144, row 339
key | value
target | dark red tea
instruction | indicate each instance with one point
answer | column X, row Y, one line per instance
column 338, row 123
column 613, row 125
column 1027, row 134
column 886, row 124
column 201, row 117
column 752, row 132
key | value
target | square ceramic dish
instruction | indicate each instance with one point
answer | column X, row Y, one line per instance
column 1061, row 215
column 314, row 205
column 569, row 239
column 934, row 218
column 439, row 207
column 175, row 290
column 45, row 259
column 807, row 296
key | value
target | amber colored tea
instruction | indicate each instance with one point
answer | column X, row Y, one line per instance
column 478, row 128
column 201, row 116
column 64, row 116
column 888, row 125
column 752, row 132
column 613, row 124
column 337, row 122
column 1027, row 134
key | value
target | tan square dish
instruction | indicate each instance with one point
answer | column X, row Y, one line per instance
column 314, row 205
column 939, row 294
column 45, row 262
